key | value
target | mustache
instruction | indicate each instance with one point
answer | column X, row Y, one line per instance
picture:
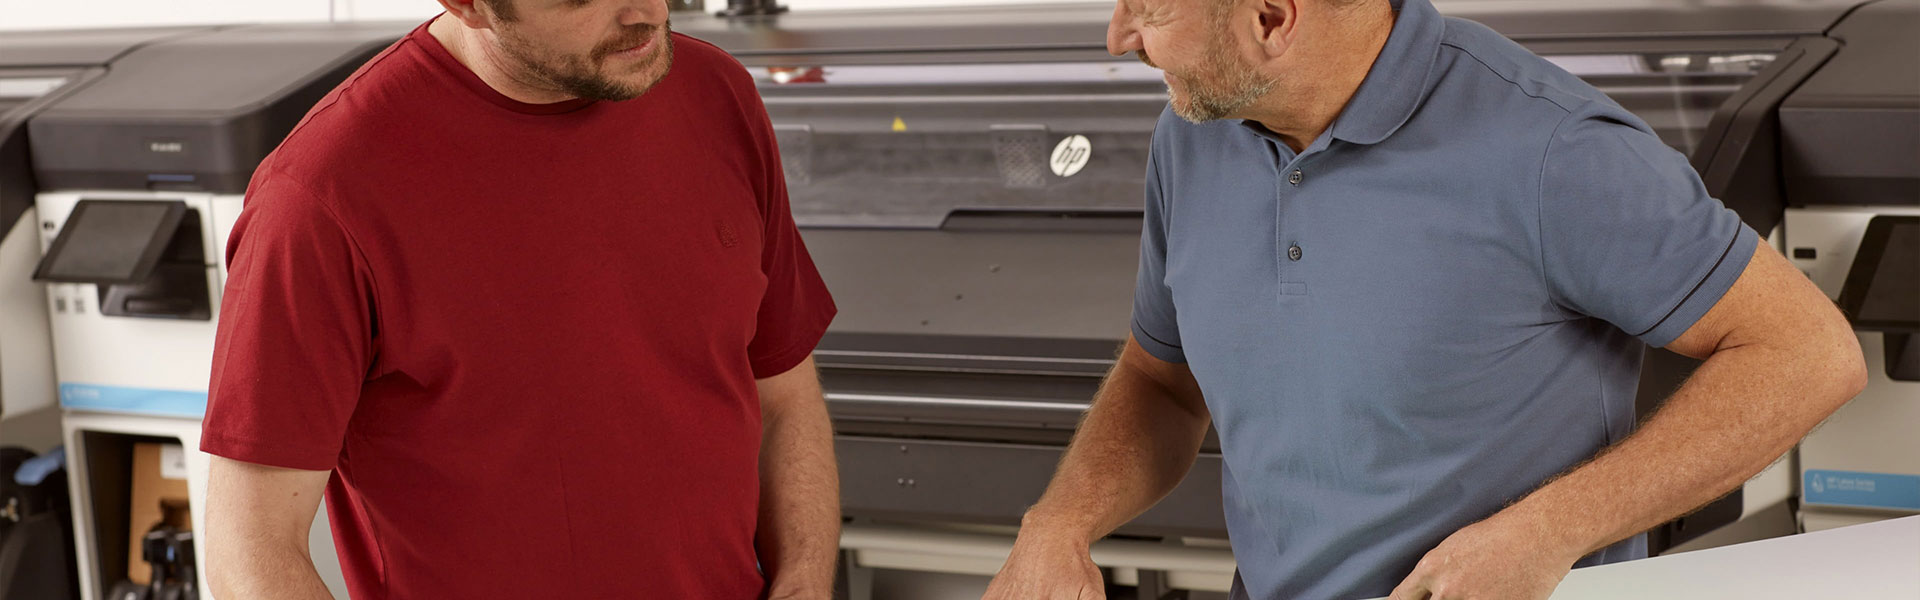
column 1142, row 55
column 629, row 37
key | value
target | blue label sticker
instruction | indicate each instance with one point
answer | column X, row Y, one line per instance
column 1853, row 488
column 108, row 398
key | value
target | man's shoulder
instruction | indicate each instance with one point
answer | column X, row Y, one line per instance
column 701, row 51
column 1522, row 100
column 1485, row 58
column 354, row 122
column 711, row 65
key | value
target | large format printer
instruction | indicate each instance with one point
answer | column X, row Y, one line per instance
column 36, row 533
column 969, row 182
column 1850, row 204
column 140, row 175
column 37, row 69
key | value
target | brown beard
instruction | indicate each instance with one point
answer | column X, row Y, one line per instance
column 582, row 77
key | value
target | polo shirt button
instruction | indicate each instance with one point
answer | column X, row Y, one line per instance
column 1293, row 252
column 1295, row 177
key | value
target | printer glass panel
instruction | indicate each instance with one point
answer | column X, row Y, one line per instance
column 14, row 88
column 18, row 89
column 910, row 145
column 1675, row 93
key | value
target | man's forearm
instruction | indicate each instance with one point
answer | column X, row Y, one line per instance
column 266, row 572
column 1135, row 444
column 255, row 535
column 1740, row 411
column 799, row 502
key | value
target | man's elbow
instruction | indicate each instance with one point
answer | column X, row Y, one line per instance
column 1842, row 369
column 226, row 571
column 222, row 580
column 219, row 583
column 243, row 570
column 1852, row 373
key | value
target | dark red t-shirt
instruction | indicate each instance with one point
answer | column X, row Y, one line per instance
column 525, row 337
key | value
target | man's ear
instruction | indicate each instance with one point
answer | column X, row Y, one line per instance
column 475, row 14
column 1274, row 24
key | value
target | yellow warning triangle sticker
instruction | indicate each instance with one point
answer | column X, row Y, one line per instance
column 899, row 125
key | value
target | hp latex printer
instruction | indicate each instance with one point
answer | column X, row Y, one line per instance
column 36, row 533
column 140, row 175
column 37, row 69
column 1849, row 200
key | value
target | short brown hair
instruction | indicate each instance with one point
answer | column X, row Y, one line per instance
column 503, row 9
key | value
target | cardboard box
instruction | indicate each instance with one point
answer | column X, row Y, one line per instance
column 159, row 494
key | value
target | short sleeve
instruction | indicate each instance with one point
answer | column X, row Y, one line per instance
column 796, row 308
column 1154, row 325
column 1629, row 234
column 296, row 334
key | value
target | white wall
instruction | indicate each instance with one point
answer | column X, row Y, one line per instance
column 384, row 10
column 69, row 14
column 411, row 9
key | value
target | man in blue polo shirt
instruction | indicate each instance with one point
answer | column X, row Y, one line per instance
column 1406, row 269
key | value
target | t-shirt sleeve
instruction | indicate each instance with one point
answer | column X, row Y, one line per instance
column 1154, row 325
column 296, row 334
column 1629, row 234
column 796, row 308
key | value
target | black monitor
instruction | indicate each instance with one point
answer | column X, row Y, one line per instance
column 1882, row 292
column 111, row 241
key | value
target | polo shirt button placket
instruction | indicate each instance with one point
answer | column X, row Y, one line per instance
column 1293, row 250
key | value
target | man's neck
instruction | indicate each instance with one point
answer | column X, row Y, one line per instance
column 474, row 50
column 1314, row 93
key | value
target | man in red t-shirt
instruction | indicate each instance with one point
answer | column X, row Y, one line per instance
column 524, row 297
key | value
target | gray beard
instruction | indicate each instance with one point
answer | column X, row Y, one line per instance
column 1240, row 88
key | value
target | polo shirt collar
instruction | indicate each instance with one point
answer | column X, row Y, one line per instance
column 1399, row 79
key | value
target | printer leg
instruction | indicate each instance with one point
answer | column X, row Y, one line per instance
column 856, row 582
column 1156, row 585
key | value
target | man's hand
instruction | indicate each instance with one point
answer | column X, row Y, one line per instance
column 1048, row 567
column 1495, row 559
column 1135, row 444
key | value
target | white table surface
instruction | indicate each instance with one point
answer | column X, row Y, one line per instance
column 1877, row 561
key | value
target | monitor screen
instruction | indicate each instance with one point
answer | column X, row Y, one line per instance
column 111, row 241
column 1883, row 289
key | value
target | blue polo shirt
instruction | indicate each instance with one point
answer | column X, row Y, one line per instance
column 1437, row 306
